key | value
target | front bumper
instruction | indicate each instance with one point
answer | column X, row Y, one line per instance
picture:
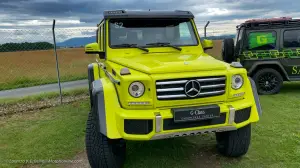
column 158, row 123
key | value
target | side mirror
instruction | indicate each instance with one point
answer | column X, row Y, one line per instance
column 207, row 44
column 92, row 48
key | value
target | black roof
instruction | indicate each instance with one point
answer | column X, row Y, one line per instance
column 147, row 14
column 270, row 23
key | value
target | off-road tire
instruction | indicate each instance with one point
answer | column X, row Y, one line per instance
column 257, row 77
column 228, row 50
column 234, row 143
column 103, row 152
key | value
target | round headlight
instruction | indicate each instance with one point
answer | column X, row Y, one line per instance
column 237, row 81
column 136, row 89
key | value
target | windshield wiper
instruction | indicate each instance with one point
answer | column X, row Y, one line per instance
column 165, row 45
column 131, row 46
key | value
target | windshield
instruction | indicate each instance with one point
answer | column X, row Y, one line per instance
column 238, row 36
column 145, row 32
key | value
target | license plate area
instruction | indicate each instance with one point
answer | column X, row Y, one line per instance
column 190, row 114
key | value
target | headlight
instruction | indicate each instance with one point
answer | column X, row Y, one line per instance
column 237, row 81
column 136, row 89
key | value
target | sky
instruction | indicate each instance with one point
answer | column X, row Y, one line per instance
column 31, row 20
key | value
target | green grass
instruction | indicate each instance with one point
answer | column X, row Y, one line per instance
column 44, row 96
column 54, row 133
column 27, row 82
column 58, row 133
column 275, row 141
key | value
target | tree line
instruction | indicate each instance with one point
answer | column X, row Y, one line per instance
column 11, row 47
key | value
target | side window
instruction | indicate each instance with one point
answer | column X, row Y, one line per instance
column 101, row 37
column 97, row 35
column 291, row 38
column 185, row 30
column 262, row 40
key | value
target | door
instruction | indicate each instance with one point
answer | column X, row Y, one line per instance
column 290, row 44
column 101, row 41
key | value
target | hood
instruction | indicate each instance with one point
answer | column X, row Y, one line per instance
column 155, row 63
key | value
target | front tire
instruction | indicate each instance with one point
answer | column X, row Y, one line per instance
column 103, row 152
column 268, row 81
column 234, row 143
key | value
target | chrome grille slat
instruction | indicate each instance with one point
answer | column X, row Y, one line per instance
column 212, row 86
column 212, row 93
column 211, row 79
column 171, row 82
column 170, row 89
column 175, row 88
column 171, row 96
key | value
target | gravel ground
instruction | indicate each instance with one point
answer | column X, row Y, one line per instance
column 8, row 109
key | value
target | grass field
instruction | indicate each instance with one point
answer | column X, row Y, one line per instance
column 58, row 133
column 216, row 50
column 30, row 68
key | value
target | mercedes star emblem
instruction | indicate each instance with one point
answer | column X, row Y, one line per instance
column 192, row 88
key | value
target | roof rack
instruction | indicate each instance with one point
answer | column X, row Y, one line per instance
column 147, row 14
column 182, row 11
column 115, row 12
column 270, row 22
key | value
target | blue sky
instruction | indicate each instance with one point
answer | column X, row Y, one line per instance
column 85, row 14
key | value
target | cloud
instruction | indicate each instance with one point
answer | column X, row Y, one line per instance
column 217, row 11
column 36, row 22
column 35, row 35
column 38, row 15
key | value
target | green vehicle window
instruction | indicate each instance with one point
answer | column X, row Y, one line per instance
column 262, row 41
column 291, row 39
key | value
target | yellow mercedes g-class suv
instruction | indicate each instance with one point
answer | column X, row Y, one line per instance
column 153, row 80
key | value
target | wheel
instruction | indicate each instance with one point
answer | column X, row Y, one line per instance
column 234, row 143
column 268, row 81
column 103, row 152
column 228, row 50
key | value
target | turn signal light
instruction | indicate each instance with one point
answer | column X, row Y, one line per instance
column 139, row 103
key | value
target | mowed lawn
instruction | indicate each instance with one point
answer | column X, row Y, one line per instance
column 29, row 68
column 58, row 133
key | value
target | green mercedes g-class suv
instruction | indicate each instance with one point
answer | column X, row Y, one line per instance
column 269, row 49
column 152, row 80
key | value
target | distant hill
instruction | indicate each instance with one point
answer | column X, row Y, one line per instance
column 26, row 46
column 219, row 37
column 77, row 42
column 82, row 41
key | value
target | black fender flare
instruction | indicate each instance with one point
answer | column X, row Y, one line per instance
column 277, row 63
column 99, row 105
column 256, row 96
column 90, row 81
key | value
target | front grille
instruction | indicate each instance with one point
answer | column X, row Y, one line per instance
column 140, row 127
column 169, row 124
column 176, row 88
column 242, row 115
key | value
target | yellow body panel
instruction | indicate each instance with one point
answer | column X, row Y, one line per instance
column 164, row 63
column 116, row 113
